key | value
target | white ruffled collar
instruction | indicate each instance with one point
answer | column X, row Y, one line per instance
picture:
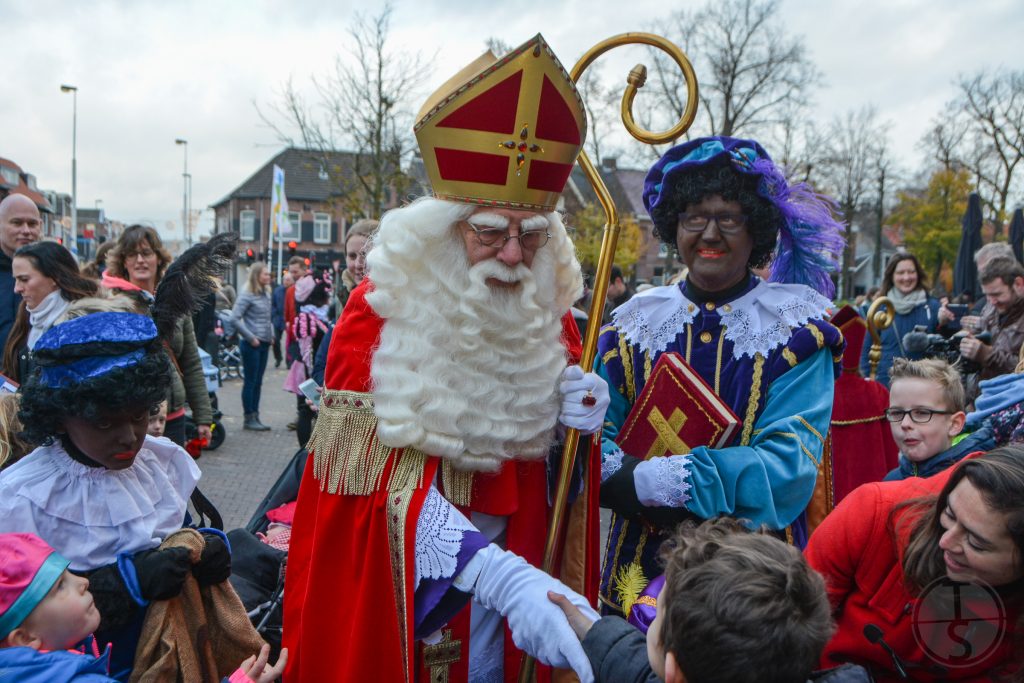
column 158, row 477
column 122, row 510
column 757, row 322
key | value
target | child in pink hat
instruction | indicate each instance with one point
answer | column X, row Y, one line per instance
column 45, row 610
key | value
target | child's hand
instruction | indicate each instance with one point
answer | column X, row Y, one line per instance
column 580, row 624
column 255, row 667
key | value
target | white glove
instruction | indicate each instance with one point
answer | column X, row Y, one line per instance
column 575, row 387
column 505, row 582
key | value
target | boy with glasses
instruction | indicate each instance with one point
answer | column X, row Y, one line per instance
column 926, row 412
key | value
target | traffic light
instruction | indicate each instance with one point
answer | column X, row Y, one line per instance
column 250, row 255
column 292, row 246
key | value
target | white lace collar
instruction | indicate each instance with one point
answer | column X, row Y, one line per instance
column 759, row 321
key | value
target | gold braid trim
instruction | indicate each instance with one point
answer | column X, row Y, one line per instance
column 348, row 459
column 755, row 399
column 627, row 368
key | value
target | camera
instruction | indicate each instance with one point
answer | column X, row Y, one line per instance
column 921, row 342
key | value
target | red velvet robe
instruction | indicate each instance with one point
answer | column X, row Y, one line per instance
column 349, row 587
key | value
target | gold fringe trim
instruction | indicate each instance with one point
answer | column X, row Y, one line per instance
column 457, row 484
column 348, row 459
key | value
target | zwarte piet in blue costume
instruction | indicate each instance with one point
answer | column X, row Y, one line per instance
column 763, row 346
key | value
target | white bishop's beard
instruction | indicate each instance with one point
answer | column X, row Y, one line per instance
column 466, row 370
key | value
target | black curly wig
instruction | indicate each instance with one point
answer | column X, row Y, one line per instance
column 763, row 218
column 43, row 408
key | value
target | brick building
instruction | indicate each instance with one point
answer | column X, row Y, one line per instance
column 320, row 188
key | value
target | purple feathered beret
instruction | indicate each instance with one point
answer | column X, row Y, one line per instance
column 810, row 236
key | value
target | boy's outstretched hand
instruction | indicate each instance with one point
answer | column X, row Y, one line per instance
column 580, row 624
column 255, row 668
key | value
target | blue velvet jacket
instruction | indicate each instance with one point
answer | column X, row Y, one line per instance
column 766, row 352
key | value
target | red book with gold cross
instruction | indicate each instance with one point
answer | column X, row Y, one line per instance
column 676, row 412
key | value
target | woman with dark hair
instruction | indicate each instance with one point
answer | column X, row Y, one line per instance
column 135, row 266
column 906, row 285
column 926, row 576
column 47, row 277
column 762, row 346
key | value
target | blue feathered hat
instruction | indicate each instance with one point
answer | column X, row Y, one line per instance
column 810, row 237
column 91, row 346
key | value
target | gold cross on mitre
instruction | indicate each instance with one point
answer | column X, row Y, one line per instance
column 668, row 440
column 481, row 132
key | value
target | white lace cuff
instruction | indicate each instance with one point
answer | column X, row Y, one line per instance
column 663, row 482
column 439, row 531
column 611, row 463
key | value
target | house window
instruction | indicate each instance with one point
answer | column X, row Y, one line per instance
column 295, row 224
column 247, row 221
column 222, row 223
column 322, row 228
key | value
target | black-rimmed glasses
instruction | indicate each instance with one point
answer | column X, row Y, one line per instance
column 728, row 223
column 530, row 240
column 918, row 415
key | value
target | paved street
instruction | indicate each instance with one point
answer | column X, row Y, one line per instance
column 237, row 475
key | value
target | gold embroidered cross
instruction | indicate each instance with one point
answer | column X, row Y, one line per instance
column 668, row 440
column 522, row 147
column 438, row 658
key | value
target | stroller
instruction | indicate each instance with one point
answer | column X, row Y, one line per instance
column 213, row 383
column 258, row 569
column 228, row 356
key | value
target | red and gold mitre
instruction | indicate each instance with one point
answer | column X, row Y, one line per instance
column 854, row 329
column 504, row 132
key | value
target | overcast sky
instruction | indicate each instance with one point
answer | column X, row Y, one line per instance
column 150, row 72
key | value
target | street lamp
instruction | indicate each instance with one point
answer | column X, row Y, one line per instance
column 74, row 166
column 184, row 195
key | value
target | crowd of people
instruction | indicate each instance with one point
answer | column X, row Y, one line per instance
column 436, row 381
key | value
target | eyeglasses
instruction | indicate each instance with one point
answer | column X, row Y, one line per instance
column 531, row 240
column 145, row 254
column 728, row 223
column 918, row 415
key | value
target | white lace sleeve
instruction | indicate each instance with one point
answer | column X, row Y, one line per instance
column 439, row 531
column 663, row 482
column 611, row 462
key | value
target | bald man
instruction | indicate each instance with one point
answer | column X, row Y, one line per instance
column 20, row 224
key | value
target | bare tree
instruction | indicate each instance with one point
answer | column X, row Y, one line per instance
column 601, row 103
column 944, row 140
column 753, row 77
column 994, row 105
column 364, row 104
column 851, row 150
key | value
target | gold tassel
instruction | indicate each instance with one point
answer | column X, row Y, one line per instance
column 348, row 458
column 457, row 484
